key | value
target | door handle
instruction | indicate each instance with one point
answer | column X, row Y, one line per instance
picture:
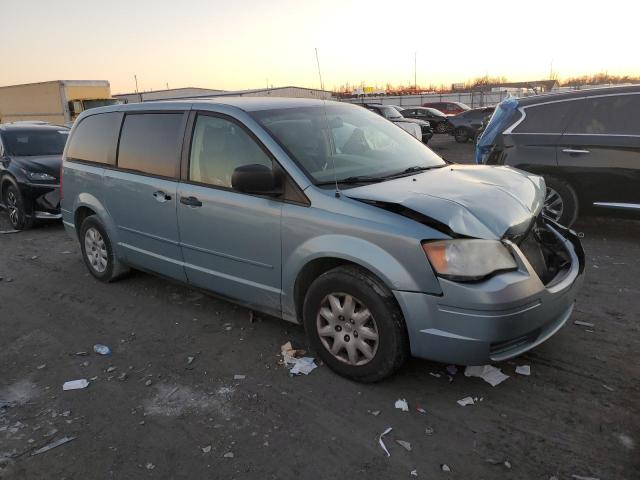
column 161, row 197
column 190, row 201
column 575, row 151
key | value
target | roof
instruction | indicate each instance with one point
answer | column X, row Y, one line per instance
column 587, row 92
column 68, row 83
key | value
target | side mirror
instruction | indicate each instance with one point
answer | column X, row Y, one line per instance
column 257, row 179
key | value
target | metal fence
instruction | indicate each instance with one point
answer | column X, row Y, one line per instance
column 473, row 99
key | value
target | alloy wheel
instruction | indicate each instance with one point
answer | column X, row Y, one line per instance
column 441, row 127
column 347, row 329
column 553, row 205
column 12, row 206
column 95, row 250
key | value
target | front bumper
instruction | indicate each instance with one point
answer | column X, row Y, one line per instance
column 43, row 200
column 497, row 319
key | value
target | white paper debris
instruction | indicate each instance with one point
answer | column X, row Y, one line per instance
column 75, row 384
column 239, row 377
column 206, row 449
column 445, row 467
column 584, row 324
column 53, row 445
column 465, row 401
column 414, row 473
column 384, row 447
column 488, row 373
column 607, row 387
column 375, row 413
column 437, row 375
column 523, row 370
column 304, row 365
column 405, row 445
column 401, row 404
column 294, row 360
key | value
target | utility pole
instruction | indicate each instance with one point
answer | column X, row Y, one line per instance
column 135, row 77
column 415, row 71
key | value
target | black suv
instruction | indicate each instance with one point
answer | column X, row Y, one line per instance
column 585, row 143
column 30, row 159
column 466, row 125
column 391, row 113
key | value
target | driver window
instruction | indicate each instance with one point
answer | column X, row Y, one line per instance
column 218, row 147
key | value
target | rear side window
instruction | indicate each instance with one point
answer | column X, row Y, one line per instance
column 95, row 137
column 150, row 143
column 546, row 118
column 608, row 115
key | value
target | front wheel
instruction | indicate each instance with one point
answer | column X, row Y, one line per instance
column 461, row 135
column 355, row 325
column 441, row 127
column 14, row 202
column 97, row 251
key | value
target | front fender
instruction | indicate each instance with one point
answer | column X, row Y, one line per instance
column 352, row 249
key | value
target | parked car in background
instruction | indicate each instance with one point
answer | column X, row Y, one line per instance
column 438, row 120
column 585, row 143
column 391, row 113
column 465, row 126
column 448, row 108
column 366, row 236
column 30, row 160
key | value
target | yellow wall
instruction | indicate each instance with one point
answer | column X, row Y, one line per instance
column 87, row 92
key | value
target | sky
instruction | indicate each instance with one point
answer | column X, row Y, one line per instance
column 237, row 44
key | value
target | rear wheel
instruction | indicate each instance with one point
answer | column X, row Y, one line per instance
column 561, row 201
column 355, row 325
column 461, row 135
column 441, row 127
column 14, row 203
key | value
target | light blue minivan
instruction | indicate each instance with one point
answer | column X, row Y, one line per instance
column 324, row 214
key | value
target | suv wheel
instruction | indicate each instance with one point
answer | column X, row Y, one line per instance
column 441, row 127
column 355, row 325
column 97, row 251
column 14, row 203
column 561, row 201
column 461, row 135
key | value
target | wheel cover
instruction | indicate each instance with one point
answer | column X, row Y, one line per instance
column 95, row 250
column 347, row 329
column 12, row 206
column 553, row 205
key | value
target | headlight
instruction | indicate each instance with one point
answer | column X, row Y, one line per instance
column 38, row 176
column 468, row 260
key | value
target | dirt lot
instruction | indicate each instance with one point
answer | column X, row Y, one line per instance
column 577, row 414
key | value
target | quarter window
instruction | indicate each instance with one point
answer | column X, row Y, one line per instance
column 95, row 137
column 219, row 146
column 608, row 115
column 150, row 143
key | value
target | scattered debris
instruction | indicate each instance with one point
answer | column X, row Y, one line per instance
column 190, row 360
column 35, row 257
column 580, row 477
column 607, row 387
column 52, row 445
column 101, row 349
column 626, row 441
column 82, row 354
column 375, row 413
column 111, row 369
column 465, row 401
column 229, row 455
column 122, row 376
column 523, row 370
column 421, row 410
column 405, row 445
column 437, row 375
column 445, row 467
column 296, row 361
column 148, row 383
column 206, row 449
column 40, row 367
column 414, row 473
column 507, row 463
column 239, row 377
column 401, row 404
column 150, row 466
column 584, row 324
column 384, row 447
column 75, row 384
column 452, row 369
column 6, row 232
column 488, row 373
column 251, row 319
column 429, row 430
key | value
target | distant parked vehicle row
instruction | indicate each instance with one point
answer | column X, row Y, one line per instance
column 438, row 120
column 448, row 108
column 465, row 126
column 391, row 113
column 586, row 145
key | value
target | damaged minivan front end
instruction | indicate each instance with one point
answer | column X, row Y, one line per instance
column 508, row 275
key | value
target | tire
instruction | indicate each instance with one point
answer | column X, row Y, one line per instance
column 97, row 251
column 383, row 330
column 441, row 127
column 461, row 135
column 561, row 201
column 14, row 203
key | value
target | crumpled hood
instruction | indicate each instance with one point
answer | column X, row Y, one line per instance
column 46, row 163
column 475, row 201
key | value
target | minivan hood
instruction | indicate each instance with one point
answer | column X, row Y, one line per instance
column 475, row 201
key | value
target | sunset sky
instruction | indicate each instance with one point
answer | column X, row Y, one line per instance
column 243, row 44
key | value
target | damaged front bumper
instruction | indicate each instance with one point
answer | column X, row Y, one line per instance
column 496, row 319
column 43, row 200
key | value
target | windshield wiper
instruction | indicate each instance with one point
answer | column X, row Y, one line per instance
column 350, row 180
column 414, row 169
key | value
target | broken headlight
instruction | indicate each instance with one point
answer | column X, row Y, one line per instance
column 467, row 260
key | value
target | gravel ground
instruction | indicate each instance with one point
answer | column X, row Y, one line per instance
column 169, row 417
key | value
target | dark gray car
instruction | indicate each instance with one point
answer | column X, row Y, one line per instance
column 325, row 214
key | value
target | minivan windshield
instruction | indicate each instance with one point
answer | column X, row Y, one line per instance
column 31, row 143
column 346, row 143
